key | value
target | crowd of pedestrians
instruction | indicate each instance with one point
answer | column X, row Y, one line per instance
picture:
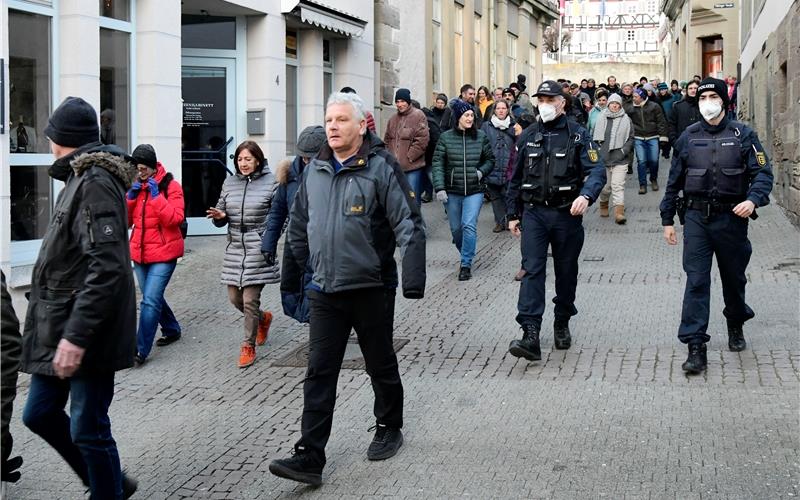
column 345, row 203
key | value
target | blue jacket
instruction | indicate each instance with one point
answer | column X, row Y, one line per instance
column 288, row 177
column 503, row 144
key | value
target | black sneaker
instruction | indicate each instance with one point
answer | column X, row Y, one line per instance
column 129, row 486
column 167, row 339
column 697, row 360
column 385, row 444
column 139, row 360
column 561, row 334
column 464, row 274
column 528, row 347
column 301, row 467
column 736, row 341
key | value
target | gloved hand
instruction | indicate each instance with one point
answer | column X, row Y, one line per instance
column 441, row 196
column 269, row 258
column 480, row 175
column 153, row 185
column 133, row 192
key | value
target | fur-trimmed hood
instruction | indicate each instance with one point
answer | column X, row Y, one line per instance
column 283, row 170
column 116, row 165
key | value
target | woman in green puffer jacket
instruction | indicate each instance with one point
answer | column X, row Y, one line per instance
column 463, row 158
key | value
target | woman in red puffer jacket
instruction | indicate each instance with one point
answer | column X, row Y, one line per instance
column 155, row 212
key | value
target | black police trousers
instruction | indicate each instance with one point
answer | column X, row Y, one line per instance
column 370, row 311
column 543, row 226
column 723, row 235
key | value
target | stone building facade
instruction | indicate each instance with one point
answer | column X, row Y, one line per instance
column 432, row 46
column 702, row 38
column 769, row 91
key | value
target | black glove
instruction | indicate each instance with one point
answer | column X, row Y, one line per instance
column 269, row 258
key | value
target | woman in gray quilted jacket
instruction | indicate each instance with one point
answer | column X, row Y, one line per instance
column 243, row 205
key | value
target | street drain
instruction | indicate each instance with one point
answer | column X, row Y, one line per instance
column 353, row 360
column 593, row 258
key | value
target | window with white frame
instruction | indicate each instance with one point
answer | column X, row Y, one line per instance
column 30, row 88
column 436, row 46
column 532, row 60
column 630, row 35
column 633, row 7
column 511, row 68
column 458, row 41
column 291, row 92
column 327, row 70
column 477, row 50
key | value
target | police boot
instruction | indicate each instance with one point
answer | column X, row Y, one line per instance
column 697, row 360
column 603, row 209
column 528, row 347
column 561, row 333
column 736, row 342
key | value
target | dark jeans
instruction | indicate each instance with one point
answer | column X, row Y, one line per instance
column 497, row 195
column 83, row 438
column 725, row 235
column 543, row 226
column 647, row 154
column 370, row 311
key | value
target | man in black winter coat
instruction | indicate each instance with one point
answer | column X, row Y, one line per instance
column 684, row 113
column 81, row 322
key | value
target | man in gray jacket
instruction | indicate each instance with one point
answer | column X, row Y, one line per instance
column 352, row 209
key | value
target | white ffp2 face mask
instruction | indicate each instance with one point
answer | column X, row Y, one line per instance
column 547, row 112
column 710, row 109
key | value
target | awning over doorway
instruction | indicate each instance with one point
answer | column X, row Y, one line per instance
column 318, row 14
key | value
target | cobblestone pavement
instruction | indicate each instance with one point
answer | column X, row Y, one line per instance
column 613, row 417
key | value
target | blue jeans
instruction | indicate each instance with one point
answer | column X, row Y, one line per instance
column 647, row 154
column 83, row 438
column 153, row 280
column 415, row 179
column 462, row 213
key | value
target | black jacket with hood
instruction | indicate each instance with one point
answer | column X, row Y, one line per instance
column 82, row 287
column 684, row 113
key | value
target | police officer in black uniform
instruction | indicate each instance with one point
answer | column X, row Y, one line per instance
column 548, row 192
column 725, row 175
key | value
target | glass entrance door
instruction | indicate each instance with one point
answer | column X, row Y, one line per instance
column 209, row 121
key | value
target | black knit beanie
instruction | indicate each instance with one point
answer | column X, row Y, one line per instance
column 714, row 85
column 403, row 95
column 73, row 124
column 145, row 154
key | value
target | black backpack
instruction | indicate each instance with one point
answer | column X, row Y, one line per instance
column 163, row 188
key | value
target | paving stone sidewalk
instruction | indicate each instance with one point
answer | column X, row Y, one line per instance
column 613, row 417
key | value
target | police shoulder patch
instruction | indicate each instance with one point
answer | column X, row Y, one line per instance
column 592, row 155
column 761, row 158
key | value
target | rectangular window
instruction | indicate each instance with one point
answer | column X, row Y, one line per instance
column 631, row 35
column 291, row 109
column 291, row 44
column 511, row 68
column 208, row 32
column 30, row 83
column 477, row 51
column 115, row 88
column 436, row 56
column 116, row 9
column 458, row 41
column 513, row 18
column 532, row 59
column 327, row 70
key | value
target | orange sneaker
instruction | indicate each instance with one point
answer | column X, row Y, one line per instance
column 247, row 356
column 263, row 328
